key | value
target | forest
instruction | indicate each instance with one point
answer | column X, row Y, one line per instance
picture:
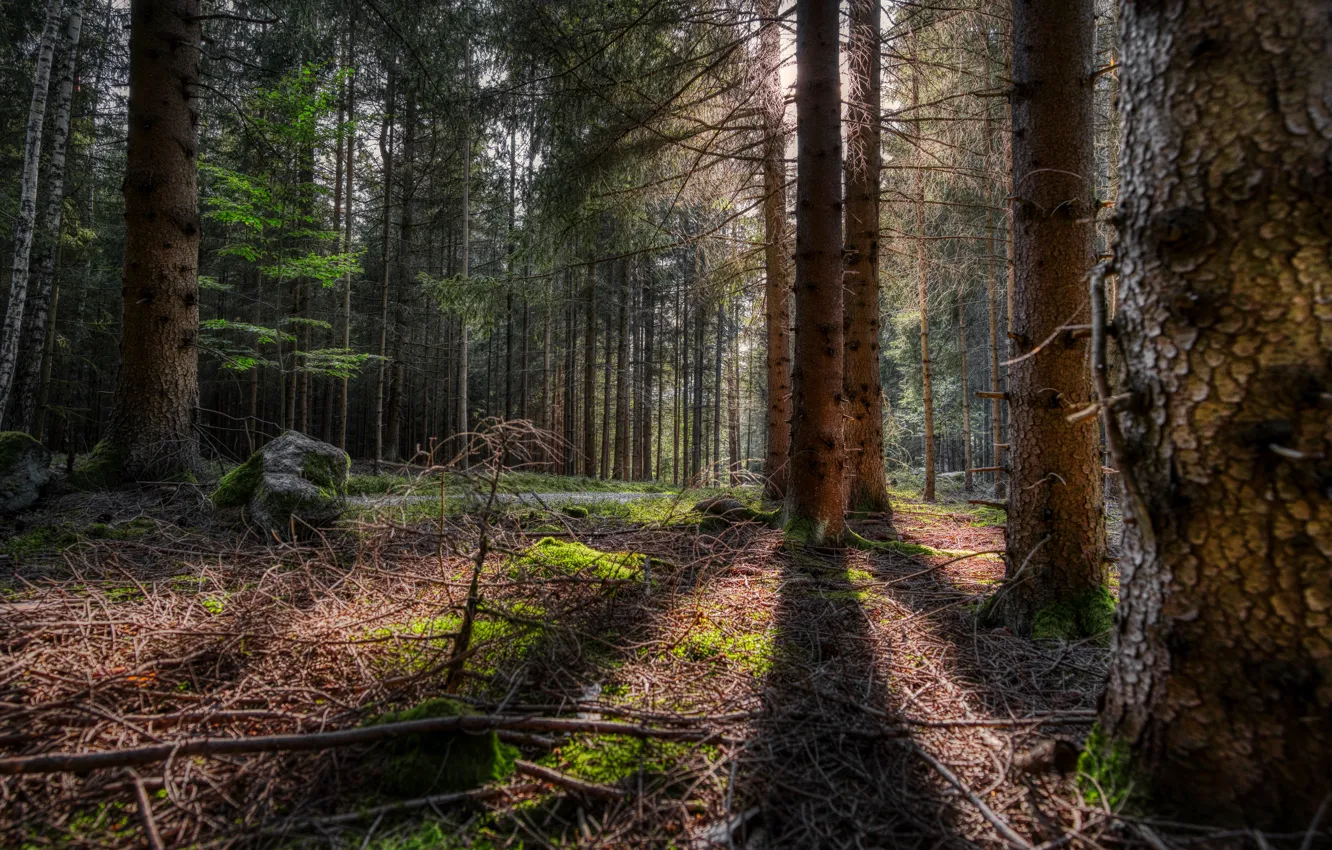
column 645, row 423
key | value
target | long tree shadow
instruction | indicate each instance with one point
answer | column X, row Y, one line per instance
column 828, row 766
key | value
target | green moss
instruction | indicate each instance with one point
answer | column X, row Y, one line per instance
column 45, row 538
column 12, row 443
column 98, row 471
column 752, row 651
column 1105, row 771
column 512, row 630
column 574, row 511
column 608, row 759
column 378, row 485
column 327, row 472
column 988, row 516
column 1091, row 614
column 440, row 762
column 549, row 556
column 237, row 486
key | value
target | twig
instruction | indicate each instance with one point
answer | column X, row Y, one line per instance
column 997, row 822
column 572, row 783
column 146, row 815
column 79, row 762
column 1114, row 437
column 476, row 795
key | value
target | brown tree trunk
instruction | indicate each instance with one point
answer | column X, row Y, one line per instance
column 777, row 249
column 152, row 431
column 868, row 485
column 922, row 280
column 1056, row 532
column 1220, row 694
column 343, row 390
column 968, row 480
column 590, row 374
column 385, row 363
column 814, row 496
column 622, row 370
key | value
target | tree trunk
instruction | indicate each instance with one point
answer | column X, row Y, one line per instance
column 347, row 241
column 868, row 490
column 385, row 364
column 28, row 381
column 717, row 392
column 922, row 269
column 649, row 375
column 1056, row 531
column 967, row 479
column 590, row 374
column 814, row 497
column 464, row 261
column 1220, row 694
column 25, row 223
column 622, row 376
column 776, row 250
column 152, row 433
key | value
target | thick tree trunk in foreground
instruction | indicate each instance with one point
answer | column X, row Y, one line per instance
column 777, row 248
column 28, row 381
column 868, row 489
column 152, row 420
column 1220, row 689
column 1055, row 525
column 25, row 223
column 922, row 284
column 814, row 496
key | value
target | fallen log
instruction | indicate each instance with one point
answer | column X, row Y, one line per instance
column 83, row 762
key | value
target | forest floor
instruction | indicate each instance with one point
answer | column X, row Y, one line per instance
column 661, row 678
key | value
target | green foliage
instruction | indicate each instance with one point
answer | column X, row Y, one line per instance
column 440, row 762
column 1105, row 771
column 549, row 556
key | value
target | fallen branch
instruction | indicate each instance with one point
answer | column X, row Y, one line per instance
column 986, row 812
column 150, row 833
column 80, row 762
column 571, row 783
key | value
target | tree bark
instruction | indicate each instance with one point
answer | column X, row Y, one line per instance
column 814, row 498
column 623, row 368
column 28, row 381
column 922, row 279
column 776, row 251
column 1220, row 693
column 590, row 374
column 1056, row 531
column 967, row 479
column 152, row 430
column 868, row 485
column 25, row 222
column 385, row 363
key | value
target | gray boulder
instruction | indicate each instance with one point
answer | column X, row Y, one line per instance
column 25, row 469
column 291, row 485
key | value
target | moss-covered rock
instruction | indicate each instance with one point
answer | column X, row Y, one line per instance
column 25, row 470
column 440, row 762
column 290, row 485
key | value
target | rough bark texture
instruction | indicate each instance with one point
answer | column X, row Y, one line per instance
column 922, row 280
column 590, row 374
column 868, row 485
column 777, row 248
column 25, row 222
column 28, row 380
column 1055, row 525
column 814, row 497
column 152, row 421
column 1221, row 679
